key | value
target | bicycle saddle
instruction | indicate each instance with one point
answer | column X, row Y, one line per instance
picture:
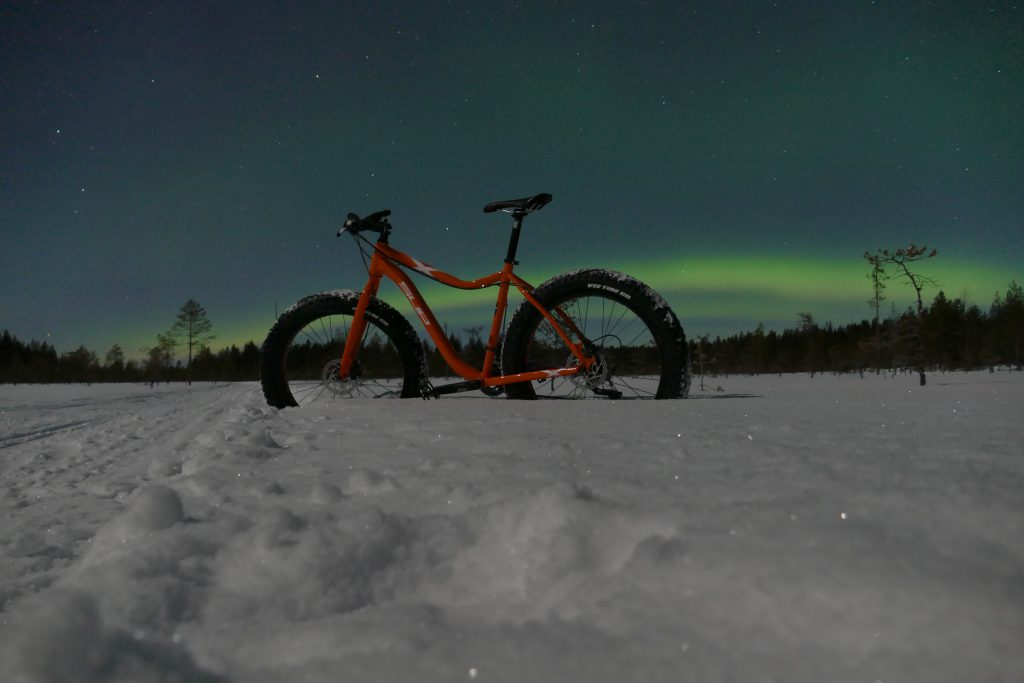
column 525, row 205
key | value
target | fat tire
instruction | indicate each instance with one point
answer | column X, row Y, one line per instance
column 643, row 301
column 274, row 352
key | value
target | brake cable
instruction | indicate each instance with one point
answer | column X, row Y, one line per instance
column 359, row 239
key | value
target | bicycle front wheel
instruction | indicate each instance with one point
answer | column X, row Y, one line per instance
column 301, row 356
column 636, row 337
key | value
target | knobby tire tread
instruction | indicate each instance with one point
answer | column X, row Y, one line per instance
column 643, row 301
column 275, row 348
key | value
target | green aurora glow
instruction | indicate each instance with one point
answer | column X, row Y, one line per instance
column 717, row 294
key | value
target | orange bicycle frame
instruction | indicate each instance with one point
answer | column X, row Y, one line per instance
column 385, row 262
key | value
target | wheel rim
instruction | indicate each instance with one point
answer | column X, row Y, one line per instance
column 313, row 361
column 628, row 363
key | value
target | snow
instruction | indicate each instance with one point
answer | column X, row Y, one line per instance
column 781, row 529
column 334, row 293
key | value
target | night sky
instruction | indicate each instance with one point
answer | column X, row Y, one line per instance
column 737, row 156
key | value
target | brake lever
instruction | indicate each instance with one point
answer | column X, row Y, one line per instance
column 348, row 225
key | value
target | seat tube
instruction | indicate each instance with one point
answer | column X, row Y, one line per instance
column 499, row 314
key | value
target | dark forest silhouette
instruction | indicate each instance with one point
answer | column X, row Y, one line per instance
column 948, row 335
column 952, row 336
column 39, row 362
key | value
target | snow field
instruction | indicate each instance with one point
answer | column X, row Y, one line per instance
column 783, row 529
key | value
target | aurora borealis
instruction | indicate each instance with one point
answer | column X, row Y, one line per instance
column 737, row 156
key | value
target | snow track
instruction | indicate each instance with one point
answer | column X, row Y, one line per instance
column 782, row 529
column 67, row 464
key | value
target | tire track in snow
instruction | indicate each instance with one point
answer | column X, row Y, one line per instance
column 40, row 433
column 69, row 466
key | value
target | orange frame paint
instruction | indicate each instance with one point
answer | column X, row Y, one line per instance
column 385, row 263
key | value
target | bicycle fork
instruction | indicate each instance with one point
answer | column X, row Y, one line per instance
column 358, row 329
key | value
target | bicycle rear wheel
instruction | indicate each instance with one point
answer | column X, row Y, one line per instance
column 301, row 355
column 639, row 343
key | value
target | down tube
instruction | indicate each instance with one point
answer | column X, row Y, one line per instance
column 430, row 323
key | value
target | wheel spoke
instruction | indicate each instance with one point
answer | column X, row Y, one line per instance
column 625, row 310
column 628, row 358
column 327, row 335
column 638, row 335
column 312, row 361
column 621, row 380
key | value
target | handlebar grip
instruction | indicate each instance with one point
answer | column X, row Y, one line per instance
column 375, row 217
column 350, row 225
column 374, row 222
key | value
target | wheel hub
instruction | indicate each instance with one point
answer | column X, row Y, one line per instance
column 331, row 379
column 592, row 377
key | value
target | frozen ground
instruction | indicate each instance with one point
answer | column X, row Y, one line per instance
column 784, row 529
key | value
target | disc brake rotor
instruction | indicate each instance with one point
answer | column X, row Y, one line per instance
column 330, row 378
column 593, row 377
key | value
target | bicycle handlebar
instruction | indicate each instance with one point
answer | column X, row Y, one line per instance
column 375, row 222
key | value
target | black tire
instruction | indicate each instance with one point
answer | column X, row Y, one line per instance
column 310, row 336
column 641, row 346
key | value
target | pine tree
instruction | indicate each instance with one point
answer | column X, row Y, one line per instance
column 80, row 365
column 115, row 359
column 877, row 277
column 193, row 327
column 158, row 358
column 1008, row 325
column 808, row 329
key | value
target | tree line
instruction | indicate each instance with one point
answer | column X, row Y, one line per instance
column 948, row 334
column 39, row 362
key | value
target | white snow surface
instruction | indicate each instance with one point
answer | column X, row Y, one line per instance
column 782, row 529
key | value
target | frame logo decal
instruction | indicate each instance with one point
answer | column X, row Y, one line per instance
column 423, row 267
column 412, row 300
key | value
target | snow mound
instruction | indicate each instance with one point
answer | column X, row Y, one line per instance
column 368, row 482
column 324, row 492
column 538, row 556
column 155, row 507
column 55, row 637
column 304, row 567
column 60, row 636
column 164, row 465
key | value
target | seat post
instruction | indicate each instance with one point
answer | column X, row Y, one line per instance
column 513, row 241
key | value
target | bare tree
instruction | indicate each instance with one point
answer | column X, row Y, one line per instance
column 877, row 277
column 193, row 328
column 902, row 260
